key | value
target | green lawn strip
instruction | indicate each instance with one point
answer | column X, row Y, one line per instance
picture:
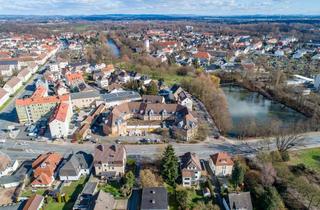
column 73, row 190
column 309, row 157
column 29, row 193
column 113, row 188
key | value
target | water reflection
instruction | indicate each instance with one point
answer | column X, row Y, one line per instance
column 246, row 106
column 114, row 48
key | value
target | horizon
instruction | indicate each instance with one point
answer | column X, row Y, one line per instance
column 215, row 8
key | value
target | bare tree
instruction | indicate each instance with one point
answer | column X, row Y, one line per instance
column 284, row 142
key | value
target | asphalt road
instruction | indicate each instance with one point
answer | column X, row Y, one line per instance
column 27, row 150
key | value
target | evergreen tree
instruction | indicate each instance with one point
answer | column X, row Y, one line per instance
column 169, row 166
column 237, row 173
column 271, row 200
column 152, row 89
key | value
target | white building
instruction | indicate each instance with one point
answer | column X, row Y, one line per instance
column 54, row 67
column 190, row 169
column 13, row 85
column 4, row 96
column 79, row 164
column 60, row 120
column 7, row 166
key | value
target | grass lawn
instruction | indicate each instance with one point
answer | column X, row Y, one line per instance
column 28, row 192
column 112, row 187
column 73, row 190
column 170, row 79
column 309, row 157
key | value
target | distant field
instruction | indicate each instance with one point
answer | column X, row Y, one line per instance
column 309, row 157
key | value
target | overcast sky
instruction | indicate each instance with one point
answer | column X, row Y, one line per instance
column 196, row 7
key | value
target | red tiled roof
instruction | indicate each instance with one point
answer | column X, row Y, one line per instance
column 42, row 100
column 74, row 76
column 60, row 112
column 42, row 179
column 221, row 159
column 167, row 43
column 33, row 202
column 40, row 91
column 45, row 164
column 202, row 55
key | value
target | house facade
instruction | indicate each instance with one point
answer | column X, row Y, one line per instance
column 79, row 164
column 60, row 121
column 221, row 164
column 110, row 161
column 190, row 169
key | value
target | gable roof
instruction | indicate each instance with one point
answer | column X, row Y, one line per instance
column 60, row 113
column 42, row 179
column 221, row 159
column 13, row 82
column 34, row 202
column 202, row 55
column 75, row 163
column 152, row 99
column 190, row 159
column 112, row 154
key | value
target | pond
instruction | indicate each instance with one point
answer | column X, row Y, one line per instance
column 246, row 107
column 114, row 48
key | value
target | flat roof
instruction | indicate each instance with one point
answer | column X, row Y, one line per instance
column 85, row 94
column 123, row 95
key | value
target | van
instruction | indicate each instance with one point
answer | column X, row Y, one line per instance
column 2, row 141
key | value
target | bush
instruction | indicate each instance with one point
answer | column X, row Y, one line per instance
column 276, row 156
column 285, row 156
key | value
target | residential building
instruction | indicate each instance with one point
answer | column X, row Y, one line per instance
column 190, row 169
column 154, row 198
column 86, row 199
column 74, row 79
column 30, row 110
column 77, row 165
column 84, row 99
column 114, row 99
column 7, row 165
column 221, row 164
column 4, row 96
column 184, row 124
column 13, row 85
column 24, row 75
column 35, row 202
column 8, row 66
column 184, row 100
column 18, row 176
column 45, row 169
column 106, row 201
column 153, row 99
column 60, row 120
column 110, row 161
